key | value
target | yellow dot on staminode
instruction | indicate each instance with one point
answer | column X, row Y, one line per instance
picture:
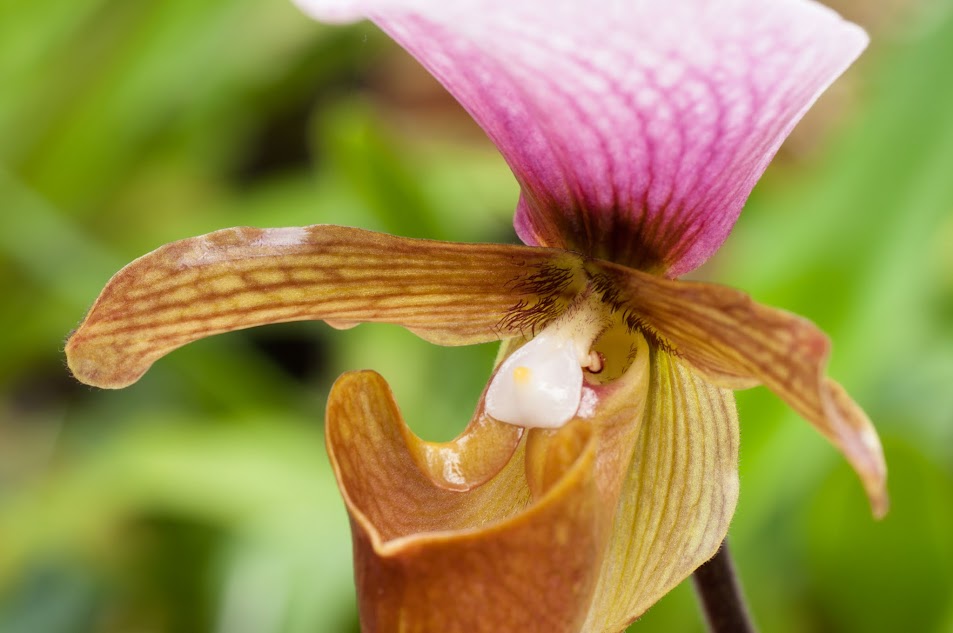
column 522, row 375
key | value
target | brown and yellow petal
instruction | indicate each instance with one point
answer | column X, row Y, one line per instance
column 451, row 294
column 735, row 342
column 521, row 552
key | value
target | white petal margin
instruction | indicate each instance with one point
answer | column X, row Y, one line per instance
column 678, row 497
column 637, row 128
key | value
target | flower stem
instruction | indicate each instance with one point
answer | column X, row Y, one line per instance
column 720, row 594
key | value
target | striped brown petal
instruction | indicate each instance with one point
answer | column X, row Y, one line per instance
column 451, row 294
column 735, row 342
column 679, row 492
column 521, row 552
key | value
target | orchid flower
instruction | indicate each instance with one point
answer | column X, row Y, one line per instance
column 600, row 467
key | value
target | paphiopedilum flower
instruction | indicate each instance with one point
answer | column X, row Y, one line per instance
column 600, row 468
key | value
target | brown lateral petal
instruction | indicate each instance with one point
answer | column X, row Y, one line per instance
column 518, row 553
column 735, row 342
column 678, row 496
column 450, row 294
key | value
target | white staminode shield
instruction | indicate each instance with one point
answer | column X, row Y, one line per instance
column 539, row 385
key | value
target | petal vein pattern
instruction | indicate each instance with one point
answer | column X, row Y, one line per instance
column 679, row 494
column 734, row 342
column 451, row 294
column 636, row 130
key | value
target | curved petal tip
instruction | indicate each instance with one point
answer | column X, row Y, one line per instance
column 855, row 436
column 737, row 343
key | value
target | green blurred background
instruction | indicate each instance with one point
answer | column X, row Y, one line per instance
column 201, row 500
